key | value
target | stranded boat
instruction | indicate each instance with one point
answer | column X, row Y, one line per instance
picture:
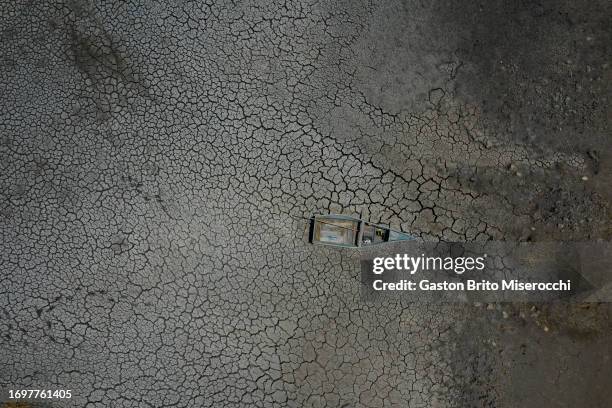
column 346, row 231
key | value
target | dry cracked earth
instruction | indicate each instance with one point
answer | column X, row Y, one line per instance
column 159, row 159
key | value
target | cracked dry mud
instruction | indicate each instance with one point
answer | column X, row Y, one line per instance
column 157, row 160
